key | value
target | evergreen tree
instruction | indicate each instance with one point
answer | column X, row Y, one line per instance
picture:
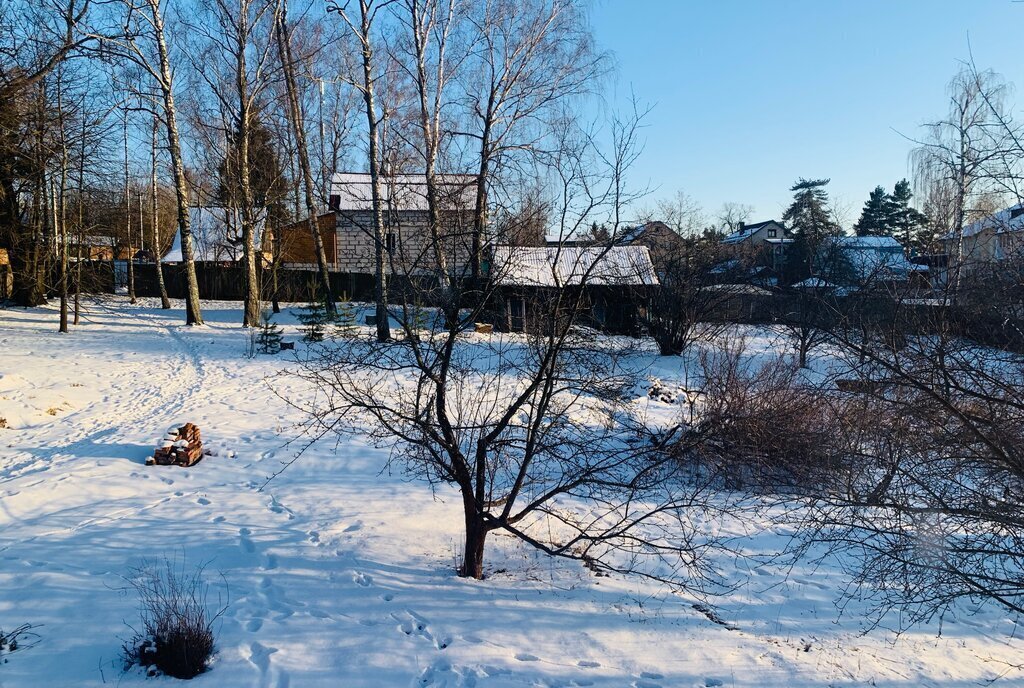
column 314, row 317
column 906, row 222
column 268, row 339
column 876, row 218
column 345, row 321
column 810, row 221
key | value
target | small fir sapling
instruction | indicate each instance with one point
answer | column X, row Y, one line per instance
column 313, row 317
column 268, row 339
column 345, row 321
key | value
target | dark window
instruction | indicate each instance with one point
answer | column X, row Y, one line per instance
column 334, row 201
column 1016, row 212
column 391, row 241
column 771, row 233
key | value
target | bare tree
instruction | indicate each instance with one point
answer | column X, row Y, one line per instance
column 145, row 45
column 234, row 61
column 158, row 245
column 536, row 433
column 362, row 28
column 298, row 129
column 962, row 155
column 529, row 58
column 34, row 40
column 931, row 504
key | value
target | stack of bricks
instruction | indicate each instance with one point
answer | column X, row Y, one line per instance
column 182, row 446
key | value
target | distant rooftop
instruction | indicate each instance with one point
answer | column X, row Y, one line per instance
column 353, row 191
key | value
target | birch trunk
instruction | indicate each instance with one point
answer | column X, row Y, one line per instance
column 158, row 246
column 193, row 312
column 302, row 152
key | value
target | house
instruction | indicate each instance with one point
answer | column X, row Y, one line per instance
column 865, row 261
column 995, row 239
column 761, row 244
column 216, row 236
column 615, row 281
column 96, row 247
column 661, row 241
column 293, row 245
column 406, row 222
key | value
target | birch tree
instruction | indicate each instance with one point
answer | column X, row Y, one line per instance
column 362, row 29
column 145, row 44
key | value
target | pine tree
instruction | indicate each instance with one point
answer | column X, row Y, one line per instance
column 268, row 339
column 906, row 222
column 876, row 218
column 810, row 221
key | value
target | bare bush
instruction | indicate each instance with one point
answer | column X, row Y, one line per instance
column 932, row 509
column 176, row 638
column 760, row 426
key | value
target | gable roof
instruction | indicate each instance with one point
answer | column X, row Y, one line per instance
column 353, row 191
column 216, row 235
column 874, row 257
column 750, row 230
column 554, row 266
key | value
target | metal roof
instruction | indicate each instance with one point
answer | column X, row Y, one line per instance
column 354, row 191
column 216, row 235
column 554, row 266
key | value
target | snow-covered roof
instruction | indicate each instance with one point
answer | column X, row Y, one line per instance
column 551, row 266
column 747, row 231
column 216, row 235
column 875, row 257
column 354, row 191
column 814, row 283
column 1007, row 220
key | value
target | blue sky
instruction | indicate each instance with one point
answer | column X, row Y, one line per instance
column 749, row 95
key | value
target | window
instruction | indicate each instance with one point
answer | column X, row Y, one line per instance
column 771, row 233
column 390, row 242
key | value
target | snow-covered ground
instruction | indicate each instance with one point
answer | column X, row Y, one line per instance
column 340, row 575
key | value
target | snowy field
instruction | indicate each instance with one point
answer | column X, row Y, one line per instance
column 340, row 575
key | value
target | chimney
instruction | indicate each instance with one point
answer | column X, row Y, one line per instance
column 740, row 226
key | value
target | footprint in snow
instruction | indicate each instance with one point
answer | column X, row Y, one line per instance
column 526, row 657
column 254, row 625
column 387, row 597
column 259, row 655
column 587, row 665
column 362, row 579
column 202, row 501
column 244, row 541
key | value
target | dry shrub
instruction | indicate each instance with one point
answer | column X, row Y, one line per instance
column 177, row 637
column 19, row 638
column 761, row 426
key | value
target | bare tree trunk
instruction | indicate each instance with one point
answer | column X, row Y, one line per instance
column 158, row 246
column 476, row 536
column 193, row 312
column 424, row 25
column 380, row 267
column 60, row 210
column 128, row 218
column 251, row 317
column 80, row 228
column 302, row 152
